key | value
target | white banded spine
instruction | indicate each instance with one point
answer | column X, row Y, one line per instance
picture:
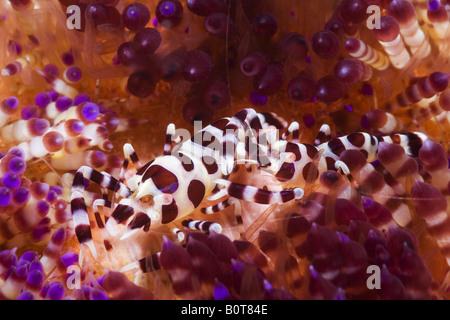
column 396, row 51
column 371, row 56
column 415, row 38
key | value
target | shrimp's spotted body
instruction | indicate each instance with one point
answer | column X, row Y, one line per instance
column 173, row 185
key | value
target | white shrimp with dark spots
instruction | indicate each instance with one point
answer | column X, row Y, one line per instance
column 171, row 186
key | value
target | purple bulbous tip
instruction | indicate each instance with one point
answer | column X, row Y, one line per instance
column 348, row 108
column 220, row 291
column 14, row 47
column 90, row 111
column 237, row 265
column 40, row 232
column 69, row 259
column 17, row 165
column 100, row 279
column 59, row 236
column 8, row 258
column 77, row 126
column 42, row 99
column 41, row 125
column 43, row 207
column 167, row 244
column 73, row 74
column 53, row 95
column 29, row 112
column 44, row 290
column 21, row 195
column 63, row 103
column 267, row 285
column 51, row 70
column 340, row 294
column 52, row 196
column 82, row 97
column 5, row 196
column 57, row 189
column 342, row 237
column 98, row 159
column 56, row 291
column 35, row 278
column 29, row 256
column 366, row 202
column 433, row 5
column 313, row 273
column 11, row 180
column 18, row 152
column 167, row 8
column 11, row 102
column 21, row 271
column 36, row 265
column 86, row 290
column 25, row 295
